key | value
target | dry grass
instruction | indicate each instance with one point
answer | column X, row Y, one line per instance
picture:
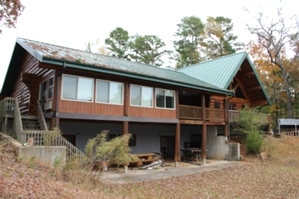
column 276, row 177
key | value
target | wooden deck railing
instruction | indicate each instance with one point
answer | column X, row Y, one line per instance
column 214, row 115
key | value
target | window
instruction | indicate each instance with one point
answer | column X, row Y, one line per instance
column 109, row 92
column 141, row 96
column 217, row 105
column 132, row 141
column 232, row 106
column 77, row 88
column 46, row 89
column 164, row 98
column 220, row 130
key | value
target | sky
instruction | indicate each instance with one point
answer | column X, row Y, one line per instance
column 73, row 23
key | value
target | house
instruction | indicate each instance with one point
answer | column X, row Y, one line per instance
column 84, row 93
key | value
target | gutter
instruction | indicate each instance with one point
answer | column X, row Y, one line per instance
column 130, row 75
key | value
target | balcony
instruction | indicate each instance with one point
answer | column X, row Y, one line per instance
column 213, row 115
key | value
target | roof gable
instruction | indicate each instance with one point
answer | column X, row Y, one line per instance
column 221, row 71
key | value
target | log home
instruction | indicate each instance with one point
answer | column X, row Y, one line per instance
column 165, row 110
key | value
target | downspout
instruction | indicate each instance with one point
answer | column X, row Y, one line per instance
column 56, row 88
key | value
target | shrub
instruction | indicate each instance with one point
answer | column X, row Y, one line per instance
column 249, row 126
column 253, row 142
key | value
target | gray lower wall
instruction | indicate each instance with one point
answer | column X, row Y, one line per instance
column 148, row 136
column 84, row 130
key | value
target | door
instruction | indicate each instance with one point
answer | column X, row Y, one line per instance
column 167, row 146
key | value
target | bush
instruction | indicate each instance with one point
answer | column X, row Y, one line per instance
column 253, row 142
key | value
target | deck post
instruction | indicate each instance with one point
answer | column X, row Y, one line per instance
column 226, row 120
column 177, row 156
column 125, row 127
column 204, row 130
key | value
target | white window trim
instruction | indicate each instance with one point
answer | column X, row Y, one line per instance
column 141, row 96
column 77, row 100
column 174, row 100
column 122, row 92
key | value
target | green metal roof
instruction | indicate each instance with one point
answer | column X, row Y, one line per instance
column 221, row 71
column 63, row 56
column 218, row 72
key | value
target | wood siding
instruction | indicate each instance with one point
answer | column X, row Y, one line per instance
column 26, row 88
column 90, row 108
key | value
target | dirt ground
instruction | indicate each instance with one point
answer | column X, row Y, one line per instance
column 276, row 177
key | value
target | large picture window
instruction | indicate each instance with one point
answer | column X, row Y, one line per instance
column 109, row 92
column 165, row 98
column 141, row 96
column 77, row 88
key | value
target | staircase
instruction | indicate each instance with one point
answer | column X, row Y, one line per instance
column 29, row 126
column 31, row 123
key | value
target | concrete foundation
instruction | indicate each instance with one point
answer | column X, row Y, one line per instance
column 219, row 147
column 46, row 155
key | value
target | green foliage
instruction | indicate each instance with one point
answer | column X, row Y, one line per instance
column 147, row 49
column 249, row 124
column 115, row 151
column 57, row 162
column 253, row 142
column 118, row 43
column 219, row 39
column 190, row 33
column 50, row 136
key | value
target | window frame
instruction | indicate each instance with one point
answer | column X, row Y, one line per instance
column 47, row 89
column 78, row 100
column 96, row 92
column 174, row 100
column 141, row 96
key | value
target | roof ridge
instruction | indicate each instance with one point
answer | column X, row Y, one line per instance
column 212, row 60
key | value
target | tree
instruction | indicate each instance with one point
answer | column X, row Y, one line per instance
column 147, row 49
column 274, row 36
column 190, row 34
column 118, row 43
column 10, row 10
column 115, row 151
column 219, row 39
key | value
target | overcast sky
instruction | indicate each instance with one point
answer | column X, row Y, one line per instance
column 72, row 23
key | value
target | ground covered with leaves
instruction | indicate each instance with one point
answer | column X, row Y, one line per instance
column 275, row 177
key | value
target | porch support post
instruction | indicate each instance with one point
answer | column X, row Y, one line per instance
column 57, row 91
column 225, row 107
column 126, row 99
column 204, row 130
column 177, row 156
column 125, row 127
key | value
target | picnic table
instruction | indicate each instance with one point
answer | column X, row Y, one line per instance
column 144, row 158
column 191, row 154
